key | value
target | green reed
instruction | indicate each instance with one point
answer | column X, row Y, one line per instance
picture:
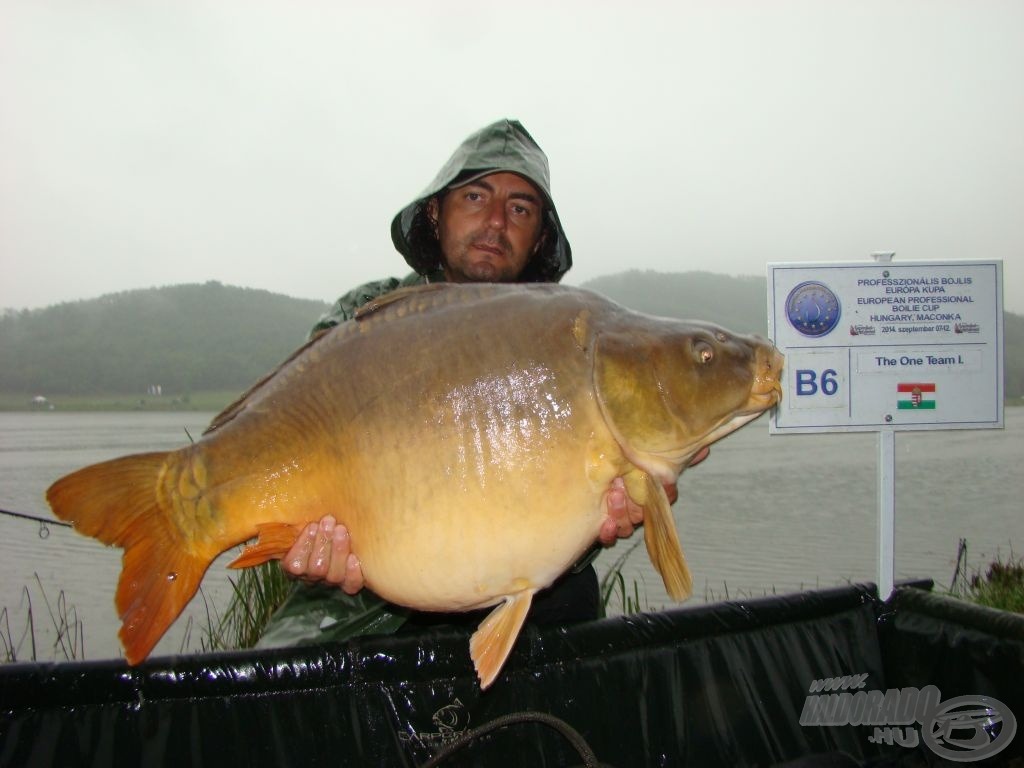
column 256, row 594
column 1001, row 585
column 23, row 645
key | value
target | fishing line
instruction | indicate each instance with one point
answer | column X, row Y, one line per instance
column 44, row 523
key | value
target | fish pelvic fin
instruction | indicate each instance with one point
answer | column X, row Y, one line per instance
column 119, row 503
column 660, row 535
column 492, row 642
column 273, row 542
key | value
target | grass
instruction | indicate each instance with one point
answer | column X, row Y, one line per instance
column 257, row 593
column 737, row 594
column 1000, row 586
column 69, row 637
column 613, row 587
column 207, row 400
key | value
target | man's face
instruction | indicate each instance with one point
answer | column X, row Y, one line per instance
column 488, row 229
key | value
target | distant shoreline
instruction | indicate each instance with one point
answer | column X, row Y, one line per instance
column 212, row 400
column 207, row 400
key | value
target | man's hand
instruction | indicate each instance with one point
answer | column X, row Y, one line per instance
column 624, row 515
column 324, row 553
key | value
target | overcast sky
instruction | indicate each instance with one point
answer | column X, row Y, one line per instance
column 268, row 144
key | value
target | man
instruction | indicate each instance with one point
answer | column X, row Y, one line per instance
column 487, row 217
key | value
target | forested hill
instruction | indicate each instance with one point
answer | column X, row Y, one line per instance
column 191, row 338
column 737, row 303
column 184, row 338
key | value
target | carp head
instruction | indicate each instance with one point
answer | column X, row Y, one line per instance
column 668, row 388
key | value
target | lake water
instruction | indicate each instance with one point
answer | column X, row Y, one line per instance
column 763, row 514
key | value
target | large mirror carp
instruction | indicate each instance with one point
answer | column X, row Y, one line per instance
column 465, row 434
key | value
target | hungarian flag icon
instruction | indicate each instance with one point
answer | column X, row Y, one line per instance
column 915, row 396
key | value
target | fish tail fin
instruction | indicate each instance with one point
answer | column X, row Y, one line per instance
column 492, row 642
column 273, row 542
column 661, row 538
column 119, row 503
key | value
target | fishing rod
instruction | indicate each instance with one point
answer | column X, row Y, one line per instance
column 44, row 523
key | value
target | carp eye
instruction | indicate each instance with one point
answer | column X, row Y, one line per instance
column 704, row 352
column 721, row 337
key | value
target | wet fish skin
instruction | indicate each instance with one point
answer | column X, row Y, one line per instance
column 466, row 435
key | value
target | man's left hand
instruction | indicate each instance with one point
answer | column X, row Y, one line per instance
column 323, row 553
column 625, row 515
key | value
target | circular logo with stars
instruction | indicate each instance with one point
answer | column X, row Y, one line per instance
column 812, row 308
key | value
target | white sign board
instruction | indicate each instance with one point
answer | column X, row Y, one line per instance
column 883, row 345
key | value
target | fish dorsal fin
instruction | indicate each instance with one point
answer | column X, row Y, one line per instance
column 402, row 294
column 492, row 642
column 238, row 406
column 399, row 295
column 660, row 534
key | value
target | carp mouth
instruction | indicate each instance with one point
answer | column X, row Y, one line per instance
column 766, row 390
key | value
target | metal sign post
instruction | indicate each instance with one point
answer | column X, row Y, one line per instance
column 886, row 512
column 883, row 347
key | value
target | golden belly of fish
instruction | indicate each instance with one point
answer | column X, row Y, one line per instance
column 465, row 435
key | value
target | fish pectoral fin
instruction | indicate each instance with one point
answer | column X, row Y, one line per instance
column 492, row 642
column 660, row 534
column 273, row 542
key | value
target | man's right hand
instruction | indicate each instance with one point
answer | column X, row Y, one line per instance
column 323, row 553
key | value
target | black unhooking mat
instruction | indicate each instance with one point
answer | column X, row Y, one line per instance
column 762, row 682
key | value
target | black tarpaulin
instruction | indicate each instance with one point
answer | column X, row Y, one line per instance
column 714, row 685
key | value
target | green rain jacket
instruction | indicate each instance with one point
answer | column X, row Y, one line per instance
column 504, row 146
column 314, row 614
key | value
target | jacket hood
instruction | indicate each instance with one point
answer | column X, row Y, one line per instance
column 504, row 146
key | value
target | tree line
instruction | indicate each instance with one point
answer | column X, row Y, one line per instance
column 182, row 338
column 191, row 338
